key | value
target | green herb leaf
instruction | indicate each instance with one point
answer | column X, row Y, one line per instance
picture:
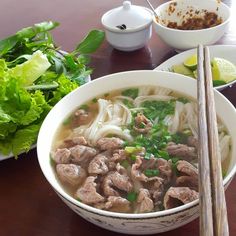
column 30, row 32
column 7, row 44
column 91, row 42
column 24, row 139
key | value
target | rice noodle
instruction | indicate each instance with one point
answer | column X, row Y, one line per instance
column 191, row 117
column 139, row 100
column 162, row 91
column 145, row 90
column 224, row 141
column 109, row 120
column 173, row 122
column 112, row 129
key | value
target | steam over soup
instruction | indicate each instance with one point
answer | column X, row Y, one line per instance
column 132, row 151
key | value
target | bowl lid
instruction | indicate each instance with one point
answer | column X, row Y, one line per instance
column 127, row 17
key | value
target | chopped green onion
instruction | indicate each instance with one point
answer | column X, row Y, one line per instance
column 125, row 164
column 52, row 162
column 163, row 154
column 175, row 159
column 67, row 121
column 133, row 93
column 224, row 173
column 84, row 107
column 133, row 157
column 147, row 156
column 183, row 100
column 131, row 150
column 94, row 100
column 132, row 196
column 151, row 173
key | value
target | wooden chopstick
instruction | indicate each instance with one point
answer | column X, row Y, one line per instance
column 213, row 212
column 205, row 200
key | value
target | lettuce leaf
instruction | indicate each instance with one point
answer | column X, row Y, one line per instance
column 32, row 69
column 24, row 139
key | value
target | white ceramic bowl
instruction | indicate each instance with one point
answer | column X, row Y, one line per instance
column 139, row 26
column 148, row 223
column 186, row 39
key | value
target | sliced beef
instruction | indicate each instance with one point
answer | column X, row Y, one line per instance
column 74, row 140
column 117, row 156
column 61, row 156
column 82, row 154
column 188, row 175
column 115, row 181
column 155, row 185
column 88, row 193
column 117, row 204
column 79, row 140
column 136, row 171
column 177, row 196
column 67, row 143
column 140, row 165
column 142, row 124
column 110, row 143
column 165, row 168
column 71, row 174
column 121, row 169
column 181, row 150
column 81, row 117
column 98, row 165
column 151, row 163
column 144, row 201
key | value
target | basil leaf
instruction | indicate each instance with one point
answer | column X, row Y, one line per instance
column 30, row 32
column 91, row 42
column 7, row 44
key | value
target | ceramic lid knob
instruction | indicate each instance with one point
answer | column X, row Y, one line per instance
column 126, row 5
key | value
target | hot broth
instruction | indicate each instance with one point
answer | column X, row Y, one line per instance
column 132, row 151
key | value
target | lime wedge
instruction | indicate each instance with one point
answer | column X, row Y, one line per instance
column 223, row 69
column 191, row 62
column 183, row 70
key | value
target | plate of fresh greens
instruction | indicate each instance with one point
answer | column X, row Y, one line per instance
column 223, row 65
column 34, row 75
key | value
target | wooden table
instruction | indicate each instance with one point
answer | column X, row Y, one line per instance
column 28, row 205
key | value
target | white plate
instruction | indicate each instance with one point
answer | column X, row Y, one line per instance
column 227, row 52
column 2, row 157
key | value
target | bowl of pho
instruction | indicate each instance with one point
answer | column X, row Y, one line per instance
column 121, row 151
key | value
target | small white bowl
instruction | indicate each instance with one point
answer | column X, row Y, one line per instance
column 187, row 39
column 138, row 23
column 146, row 223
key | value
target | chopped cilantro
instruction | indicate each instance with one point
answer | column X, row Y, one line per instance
column 158, row 109
column 183, row 100
column 84, row 107
column 133, row 93
column 94, row 100
column 125, row 164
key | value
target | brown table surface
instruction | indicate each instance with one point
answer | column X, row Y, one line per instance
column 28, row 205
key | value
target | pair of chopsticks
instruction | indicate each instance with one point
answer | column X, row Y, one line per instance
column 213, row 212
